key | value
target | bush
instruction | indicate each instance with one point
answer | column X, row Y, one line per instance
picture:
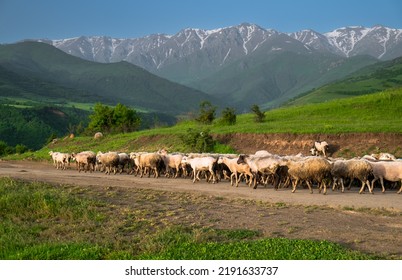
column 228, row 116
column 198, row 140
column 207, row 113
column 259, row 116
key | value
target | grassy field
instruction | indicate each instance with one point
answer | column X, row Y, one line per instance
column 42, row 221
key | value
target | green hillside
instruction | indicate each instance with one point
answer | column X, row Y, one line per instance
column 89, row 81
column 378, row 112
column 373, row 78
column 271, row 78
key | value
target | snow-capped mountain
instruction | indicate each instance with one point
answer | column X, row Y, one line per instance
column 153, row 52
column 222, row 45
column 246, row 62
column 379, row 41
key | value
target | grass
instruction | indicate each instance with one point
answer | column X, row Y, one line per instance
column 43, row 221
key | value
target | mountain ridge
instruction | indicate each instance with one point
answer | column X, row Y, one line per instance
column 154, row 51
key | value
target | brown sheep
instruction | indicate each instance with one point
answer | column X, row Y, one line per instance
column 352, row 169
column 311, row 169
column 153, row 161
column 109, row 160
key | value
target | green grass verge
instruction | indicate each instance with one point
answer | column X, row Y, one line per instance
column 42, row 221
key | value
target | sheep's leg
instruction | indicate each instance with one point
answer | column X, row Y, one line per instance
column 382, row 184
column 231, row 179
column 309, row 186
column 294, row 185
column 400, row 190
column 196, row 175
column 363, row 185
column 320, row 187
column 213, row 176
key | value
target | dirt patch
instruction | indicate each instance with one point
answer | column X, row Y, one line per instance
column 342, row 144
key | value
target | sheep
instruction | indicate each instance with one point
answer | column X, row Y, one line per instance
column 267, row 166
column 109, row 160
column 199, row 164
column 98, row 135
column 384, row 156
column 235, row 168
column 172, row 162
column 153, row 161
column 388, row 170
column 86, row 159
column 309, row 169
column 124, row 160
column 60, row 160
column 352, row 169
column 319, row 147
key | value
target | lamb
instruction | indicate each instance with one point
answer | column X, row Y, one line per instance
column 309, row 169
column 86, row 160
column 236, row 168
column 109, row 160
column 320, row 147
column 199, row 164
column 352, row 169
column 267, row 166
column 388, row 170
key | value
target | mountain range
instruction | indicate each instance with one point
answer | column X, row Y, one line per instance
column 246, row 64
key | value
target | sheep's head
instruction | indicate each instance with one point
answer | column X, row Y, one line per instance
column 242, row 159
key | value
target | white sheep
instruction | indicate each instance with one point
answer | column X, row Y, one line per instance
column 60, row 160
column 320, row 147
column 388, row 170
column 265, row 166
column 199, row 164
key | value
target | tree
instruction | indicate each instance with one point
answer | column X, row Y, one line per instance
column 228, row 116
column 259, row 116
column 125, row 119
column 207, row 113
column 117, row 119
column 101, row 119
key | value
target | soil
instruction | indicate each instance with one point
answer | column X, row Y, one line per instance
column 366, row 222
column 341, row 144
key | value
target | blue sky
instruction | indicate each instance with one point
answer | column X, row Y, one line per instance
column 57, row 19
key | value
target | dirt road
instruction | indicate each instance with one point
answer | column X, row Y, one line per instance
column 37, row 171
column 369, row 223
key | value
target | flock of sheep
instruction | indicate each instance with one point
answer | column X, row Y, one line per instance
column 261, row 168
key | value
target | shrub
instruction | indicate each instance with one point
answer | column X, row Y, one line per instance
column 198, row 140
column 207, row 113
column 228, row 116
column 259, row 116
